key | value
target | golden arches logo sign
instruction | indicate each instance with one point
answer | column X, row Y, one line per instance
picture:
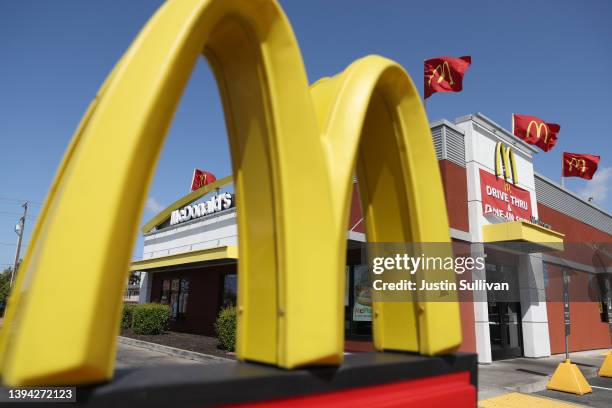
column 505, row 163
column 577, row 163
column 540, row 130
column 442, row 70
column 289, row 144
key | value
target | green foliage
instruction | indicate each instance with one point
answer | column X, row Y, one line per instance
column 128, row 314
column 5, row 286
column 225, row 327
column 150, row 318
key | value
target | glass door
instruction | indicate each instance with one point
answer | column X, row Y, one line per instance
column 505, row 330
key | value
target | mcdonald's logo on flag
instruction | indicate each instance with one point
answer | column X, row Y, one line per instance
column 535, row 131
column 445, row 74
column 201, row 178
column 579, row 165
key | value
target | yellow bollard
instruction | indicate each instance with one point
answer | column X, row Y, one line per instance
column 606, row 367
column 568, row 378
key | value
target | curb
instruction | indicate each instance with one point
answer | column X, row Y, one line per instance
column 173, row 351
column 531, row 388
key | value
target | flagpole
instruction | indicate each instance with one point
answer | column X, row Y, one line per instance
column 562, row 166
column 424, row 86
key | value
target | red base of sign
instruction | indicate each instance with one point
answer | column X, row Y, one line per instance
column 449, row 390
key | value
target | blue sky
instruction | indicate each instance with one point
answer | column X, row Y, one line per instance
column 551, row 59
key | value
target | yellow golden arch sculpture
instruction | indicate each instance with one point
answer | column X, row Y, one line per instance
column 293, row 153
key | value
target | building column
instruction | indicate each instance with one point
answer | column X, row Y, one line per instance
column 536, row 340
column 481, row 310
column 145, row 288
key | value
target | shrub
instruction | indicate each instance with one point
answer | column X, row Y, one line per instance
column 128, row 313
column 225, row 327
column 150, row 318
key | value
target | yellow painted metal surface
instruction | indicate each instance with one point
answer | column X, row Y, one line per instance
column 518, row 400
column 292, row 164
column 224, row 252
column 568, row 378
column 523, row 231
column 372, row 119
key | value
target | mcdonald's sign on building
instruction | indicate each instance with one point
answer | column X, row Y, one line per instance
column 501, row 195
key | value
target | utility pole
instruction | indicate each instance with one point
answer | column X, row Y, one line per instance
column 19, row 230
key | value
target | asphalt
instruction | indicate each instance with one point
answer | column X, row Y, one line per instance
column 601, row 397
column 129, row 356
column 530, row 376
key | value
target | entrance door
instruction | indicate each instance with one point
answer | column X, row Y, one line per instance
column 505, row 330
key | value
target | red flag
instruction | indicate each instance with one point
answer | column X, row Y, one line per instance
column 445, row 74
column 579, row 165
column 201, row 178
column 535, row 131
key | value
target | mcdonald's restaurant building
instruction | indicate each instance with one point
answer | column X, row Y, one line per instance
column 189, row 259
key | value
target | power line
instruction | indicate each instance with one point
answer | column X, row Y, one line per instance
column 10, row 214
column 19, row 200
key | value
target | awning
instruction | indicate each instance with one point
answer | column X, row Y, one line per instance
column 204, row 255
column 531, row 237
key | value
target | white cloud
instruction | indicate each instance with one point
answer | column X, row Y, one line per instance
column 599, row 186
column 153, row 206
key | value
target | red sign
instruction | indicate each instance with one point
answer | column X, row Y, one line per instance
column 579, row 165
column 534, row 130
column 445, row 74
column 504, row 200
column 201, row 178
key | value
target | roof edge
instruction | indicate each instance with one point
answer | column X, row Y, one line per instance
column 576, row 196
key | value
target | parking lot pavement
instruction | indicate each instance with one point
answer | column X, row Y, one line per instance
column 129, row 356
column 530, row 375
column 601, row 397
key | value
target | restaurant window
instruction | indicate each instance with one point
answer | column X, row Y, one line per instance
column 165, row 293
column 183, row 296
column 175, row 293
column 230, row 290
column 603, row 312
column 603, row 284
column 361, row 300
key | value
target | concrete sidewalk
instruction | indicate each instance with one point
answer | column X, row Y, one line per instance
column 529, row 375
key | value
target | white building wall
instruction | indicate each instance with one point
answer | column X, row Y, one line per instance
column 481, row 137
column 202, row 233
column 208, row 232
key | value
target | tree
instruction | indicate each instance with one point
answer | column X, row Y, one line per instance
column 5, row 286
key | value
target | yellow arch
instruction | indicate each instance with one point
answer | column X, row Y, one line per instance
column 273, row 138
column 291, row 256
column 372, row 117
